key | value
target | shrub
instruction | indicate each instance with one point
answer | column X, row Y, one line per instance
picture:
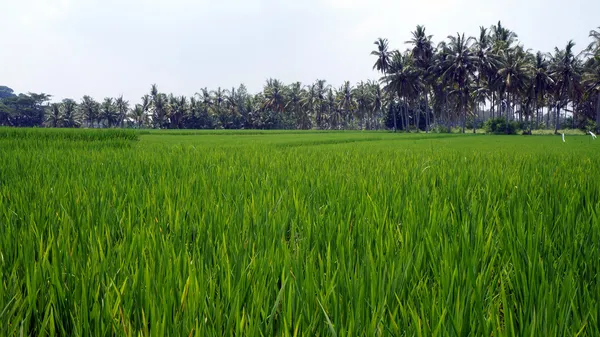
column 499, row 126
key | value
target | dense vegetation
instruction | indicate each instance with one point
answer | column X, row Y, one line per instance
column 461, row 81
column 256, row 233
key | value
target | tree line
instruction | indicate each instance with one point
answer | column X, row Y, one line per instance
column 459, row 82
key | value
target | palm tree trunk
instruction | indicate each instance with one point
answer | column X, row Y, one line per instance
column 394, row 113
column 426, row 113
column 417, row 119
column 598, row 113
column 557, row 123
column 507, row 109
column 492, row 106
column 475, row 117
column 574, row 112
column 537, row 115
column 406, row 124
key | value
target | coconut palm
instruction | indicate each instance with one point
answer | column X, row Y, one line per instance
column 122, row 107
column 591, row 82
column 53, row 116
column 146, row 105
column 294, row 104
column 422, row 53
column 402, row 79
column 383, row 55
column 563, row 70
column 320, row 91
column 542, row 82
column 594, row 46
column 460, row 67
column 90, row 110
column 69, row 115
column 513, row 74
column 137, row 115
column 275, row 101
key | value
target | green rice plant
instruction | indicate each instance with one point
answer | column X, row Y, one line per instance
column 299, row 234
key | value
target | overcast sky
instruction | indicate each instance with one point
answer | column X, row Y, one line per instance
column 69, row 48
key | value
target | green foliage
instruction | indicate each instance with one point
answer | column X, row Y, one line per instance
column 498, row 126
column 282, row 234
column 6, row 92
column 66, row 135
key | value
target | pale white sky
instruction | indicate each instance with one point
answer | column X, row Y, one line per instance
column 69, row 48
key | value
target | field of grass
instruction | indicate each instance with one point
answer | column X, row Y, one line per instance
column 298, row 234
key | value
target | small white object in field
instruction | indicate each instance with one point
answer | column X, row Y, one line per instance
column 593, row 135
column 563, row 135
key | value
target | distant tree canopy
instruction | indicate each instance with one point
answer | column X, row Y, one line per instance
column 6, row 92
column 460, row 81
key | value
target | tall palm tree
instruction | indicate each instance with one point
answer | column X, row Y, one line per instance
column 146, row 105
column 275, row 100
column 514, row 75
column 566, row 77
column 383, row 55
column 501, row 37
column 346, row 103
column 542, row 82
column 594, row 46
column 378, row 104
column 218, row 103
column 591, row 82
column 460, row 69
column 161, row 111
column 90, row 110
column 403, row 80
column 422, row 53
column 320, row 91
column 107, row 112
column 138, row 115
column 487, row 65
column 69, row 117
column 54, row 115
column 122, row 107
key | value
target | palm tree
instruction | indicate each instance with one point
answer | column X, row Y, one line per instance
column 178, row 111
column 422, row 53
column 346, row 103
column 69, row 117
column 565, row 76
column 53, row 117
column 146, row 105
column 513, row 74
column 90, row 110
column 122, row 107
column 487, row 65
column 460, row 68
column 294, row 103
column 591, row 81
column 160, row 111
column 383, row 55
column 594, row 46
column 320, row 91
column 501, row 37
column 275, row 100
column 138, row 115
column 107, row 112
column 402, row 79
column 542, row 82
column 206, row 103
column 378, row 103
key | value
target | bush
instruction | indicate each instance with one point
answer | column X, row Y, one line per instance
column 439, row 128
column 499, row 126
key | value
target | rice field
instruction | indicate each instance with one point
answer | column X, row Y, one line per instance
column 114, row 233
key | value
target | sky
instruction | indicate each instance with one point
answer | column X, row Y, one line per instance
column 71, row 48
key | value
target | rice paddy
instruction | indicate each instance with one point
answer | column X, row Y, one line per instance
column 114, row 233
